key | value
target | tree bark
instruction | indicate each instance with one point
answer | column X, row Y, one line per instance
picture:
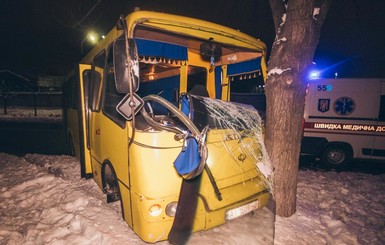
column 297, row 26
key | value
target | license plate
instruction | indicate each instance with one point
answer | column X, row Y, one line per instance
column 242, row 210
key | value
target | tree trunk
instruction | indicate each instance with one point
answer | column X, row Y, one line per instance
column 297, row 35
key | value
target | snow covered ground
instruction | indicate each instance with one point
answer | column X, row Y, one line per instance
column 44, row 201
column 15, row 113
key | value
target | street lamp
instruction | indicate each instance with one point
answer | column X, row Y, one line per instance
column 91, row 38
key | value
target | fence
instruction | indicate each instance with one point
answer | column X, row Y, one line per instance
column 31, row 100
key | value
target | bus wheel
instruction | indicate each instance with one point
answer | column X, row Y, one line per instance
column 111, row 185
column 336, row 156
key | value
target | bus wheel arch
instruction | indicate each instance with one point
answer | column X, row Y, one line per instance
column 337, row 155
column 110, row 182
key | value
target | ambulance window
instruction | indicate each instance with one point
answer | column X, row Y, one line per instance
column 381, row 115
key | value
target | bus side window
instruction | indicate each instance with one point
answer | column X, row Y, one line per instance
column 86, row 86
column 248, row 89
column 111, row 96
column 381, row 115
column 96, row 81
column 72, row 98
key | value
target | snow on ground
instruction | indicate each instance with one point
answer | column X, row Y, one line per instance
column 336, row 208
column 44, row 201
column 15, row 113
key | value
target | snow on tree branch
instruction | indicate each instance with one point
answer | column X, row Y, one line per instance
column 277, row 71
column 283, row 18
column 316, row 13
column 279, row 41
column 321, row 7
column 278, row 9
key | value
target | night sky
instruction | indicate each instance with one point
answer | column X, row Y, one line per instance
column 44, row 36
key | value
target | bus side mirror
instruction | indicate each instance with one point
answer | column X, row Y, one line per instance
column 126, row 69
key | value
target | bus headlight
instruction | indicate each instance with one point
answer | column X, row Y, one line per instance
column 155, row 210
column 171, row 209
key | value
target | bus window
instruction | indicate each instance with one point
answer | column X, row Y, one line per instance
column 86, row 85
column 96, row 80
column 247, row 84
column 72, row 94
column 111, row 96
column 248, row 89
column 87, row 76
column 162, row 79
column 197, row 80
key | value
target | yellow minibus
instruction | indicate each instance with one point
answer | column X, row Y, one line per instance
column 149, row 113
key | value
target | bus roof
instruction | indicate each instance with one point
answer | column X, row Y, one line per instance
column 180, row 30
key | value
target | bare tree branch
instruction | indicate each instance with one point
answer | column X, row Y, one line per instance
column 74, row 19
column 86, row 15
column 322, row 7
column 278, row 9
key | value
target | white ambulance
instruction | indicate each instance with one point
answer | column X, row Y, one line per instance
column 344, row 119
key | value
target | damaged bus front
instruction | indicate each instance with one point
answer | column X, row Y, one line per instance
column 156, row 130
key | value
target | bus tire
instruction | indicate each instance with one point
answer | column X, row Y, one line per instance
column 337, row 156
column 111, row 187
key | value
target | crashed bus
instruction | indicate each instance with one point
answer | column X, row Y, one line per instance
column 147, row 113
